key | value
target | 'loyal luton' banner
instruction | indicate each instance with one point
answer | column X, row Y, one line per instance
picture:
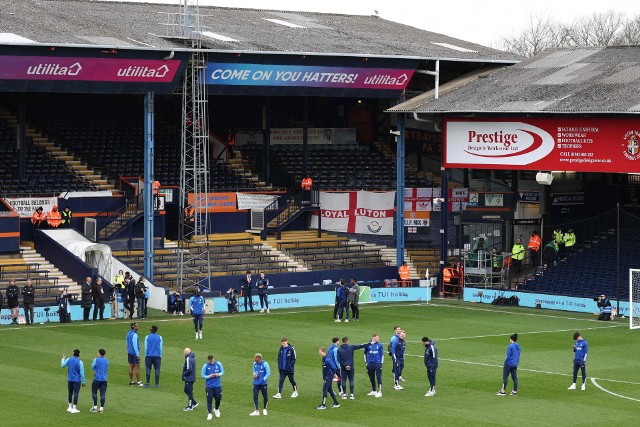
column 366, row 212
column 582, row 145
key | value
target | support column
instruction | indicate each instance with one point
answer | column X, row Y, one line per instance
column 444, row 223
column 22, row 138
column 400, row 167
column 149, row 146
column 266, row 141
column 305, row 140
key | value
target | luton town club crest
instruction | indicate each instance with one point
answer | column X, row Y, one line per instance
column 632, row 139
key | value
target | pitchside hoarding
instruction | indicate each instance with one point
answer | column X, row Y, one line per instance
column 560, row 144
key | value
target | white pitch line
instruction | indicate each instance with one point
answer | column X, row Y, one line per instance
column 537, row 371
column 523, row 333
column 593, row 380
column 435, row 304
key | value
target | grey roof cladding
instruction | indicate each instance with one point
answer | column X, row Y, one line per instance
column 71, row 22
column 576, row 80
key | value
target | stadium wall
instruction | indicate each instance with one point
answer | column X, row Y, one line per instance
column 285, row 280
column 553, row 302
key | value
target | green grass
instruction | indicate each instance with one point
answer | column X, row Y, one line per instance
column 472, row 341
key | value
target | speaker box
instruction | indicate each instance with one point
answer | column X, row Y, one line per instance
column 544, row 178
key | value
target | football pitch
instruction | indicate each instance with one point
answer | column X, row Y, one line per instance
column 471, row 339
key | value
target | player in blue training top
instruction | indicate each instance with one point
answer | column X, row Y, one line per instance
column 211, row 372
column 581, row 350
column 153, row 355
column 374, row 358
column 393, row 342
column 431, row 363
column 75, row 378
column 329, row 369
column 332, row 353
column 196, row 305
column 511, row 366
column 398, row 359
column 261, row 374
column 133, row 354
column 100, row 367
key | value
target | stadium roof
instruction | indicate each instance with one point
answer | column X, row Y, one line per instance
column 573, row 81
column 144, row 25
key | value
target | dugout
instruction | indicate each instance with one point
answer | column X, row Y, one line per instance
column 558, row 132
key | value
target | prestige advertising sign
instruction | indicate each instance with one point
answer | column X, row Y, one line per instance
column 581, row 145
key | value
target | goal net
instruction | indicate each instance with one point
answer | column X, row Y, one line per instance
column 634, row 298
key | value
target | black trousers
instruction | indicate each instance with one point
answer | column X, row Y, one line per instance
column 248, row 299
column 355, row 311
column 86, row 312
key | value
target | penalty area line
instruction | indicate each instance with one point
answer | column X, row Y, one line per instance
column 595, row 383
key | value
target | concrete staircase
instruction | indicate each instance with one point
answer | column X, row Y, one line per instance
column 242, row 169
column 130, row 211
column 31, row 256
column 389, row 255
column 282, row 256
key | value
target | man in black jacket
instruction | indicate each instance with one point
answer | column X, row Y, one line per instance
column 28, row 299
column 63, row 307
column 97, row 292
column 129, row 293
column 245, row 287
column 12, row 294
column 141, row 287
column 345, row 365
column 86, row 300
column 286, row 366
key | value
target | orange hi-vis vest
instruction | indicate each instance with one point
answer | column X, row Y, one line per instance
column 156, row 187
column 534, row 243
column 37, row 218
column 54, row 218
column 449, row 273
column 307, row 183
column 404, row 272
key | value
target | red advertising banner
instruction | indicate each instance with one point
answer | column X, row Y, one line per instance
column 558, row 144
column 88, row 69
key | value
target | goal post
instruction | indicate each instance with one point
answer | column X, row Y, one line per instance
column 634, row 298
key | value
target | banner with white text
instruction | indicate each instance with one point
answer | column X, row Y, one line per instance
column 366, row 212
column 26, row 206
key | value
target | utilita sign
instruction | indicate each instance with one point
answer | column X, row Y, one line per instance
column 88, row 69
column 581, row 145
column 307, row 76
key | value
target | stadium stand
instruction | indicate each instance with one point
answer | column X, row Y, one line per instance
column 333, row 167
column 329, row 252
column 43, row 173
column 109, row 139
column 229, row 254
column 575, row 274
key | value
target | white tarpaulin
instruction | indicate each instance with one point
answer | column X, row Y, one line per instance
column 254, row 201
column 366, row 212
column 96, row 255
column 77, row 194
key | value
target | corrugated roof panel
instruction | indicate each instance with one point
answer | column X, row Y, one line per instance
column 217, row 36
column 105, row 41
column 14, row 38
column 524, row 105
column 285, row 23
column 303, row 20
column 563, row 76
column 454, row 47
column 627, row 72
column 562, row 58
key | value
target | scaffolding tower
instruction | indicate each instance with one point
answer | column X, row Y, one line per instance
column 193, row 249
